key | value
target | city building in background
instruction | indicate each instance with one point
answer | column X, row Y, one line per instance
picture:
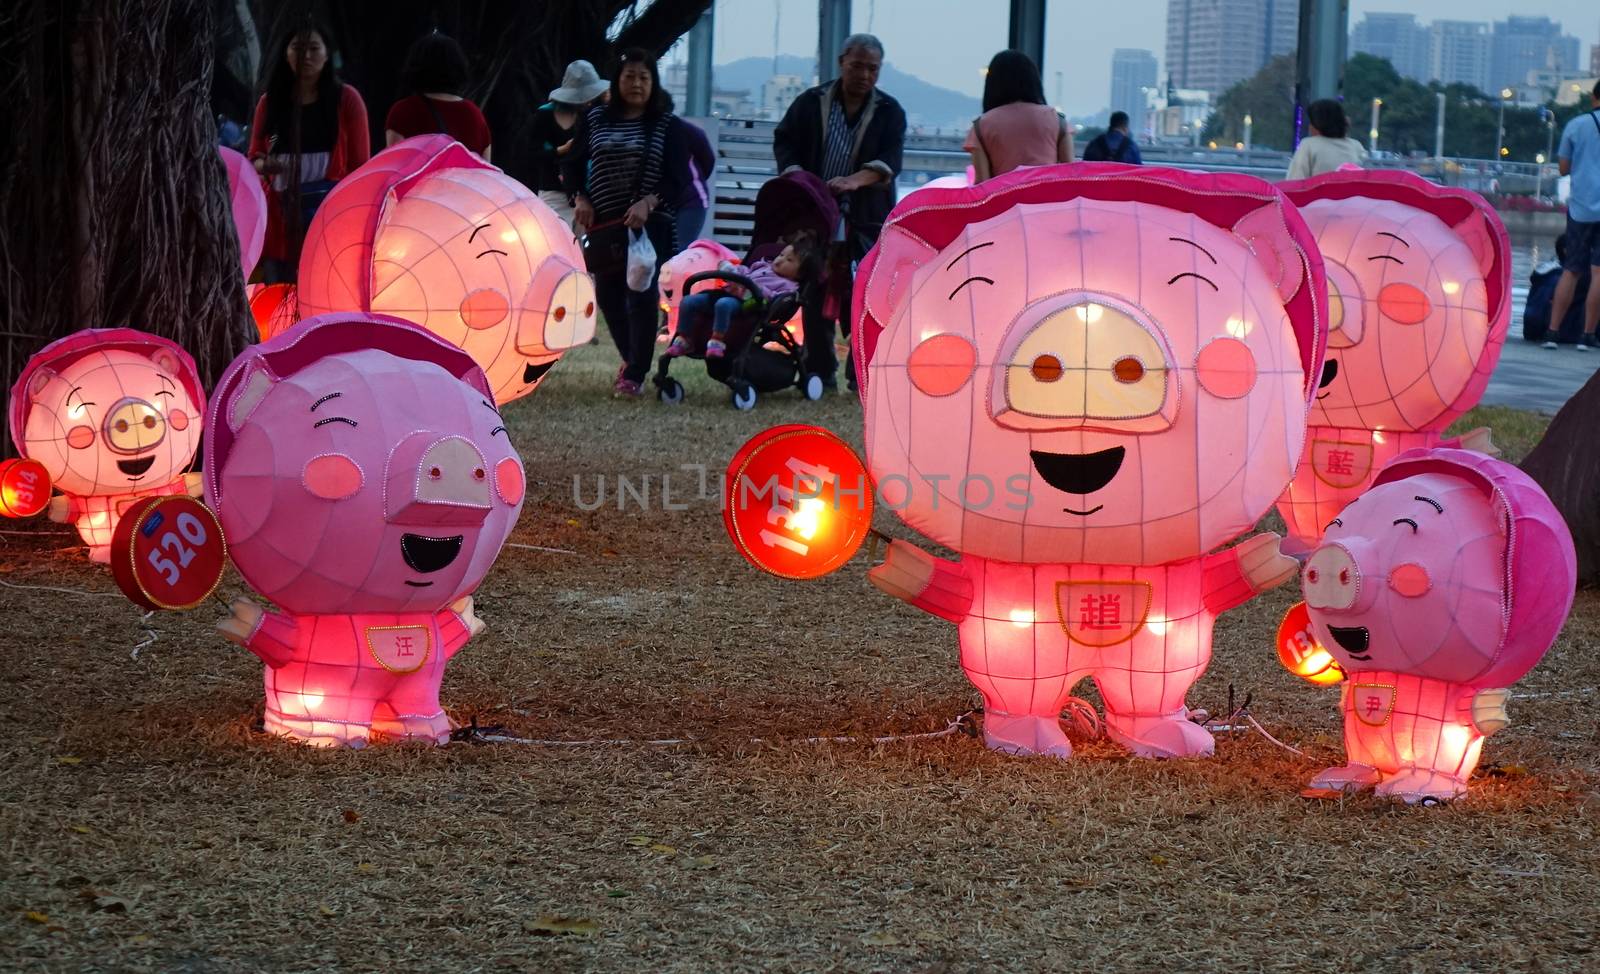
column 1523, row 47
column 1532, row 56
column 1133, row 80
column 1398, row 39
column 1458, row 53
column 1213, row 44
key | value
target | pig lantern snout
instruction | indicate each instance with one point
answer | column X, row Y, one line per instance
column 1332, row 579
column 133, row 426
column 1084, row 360
column 437, row 480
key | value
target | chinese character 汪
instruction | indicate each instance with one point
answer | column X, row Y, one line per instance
column 1100, row 612
column 402, row 645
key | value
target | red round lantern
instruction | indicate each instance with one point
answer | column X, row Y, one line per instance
column 24, row 487
column 1299, row 651
column 798, row 502
column 168, row 553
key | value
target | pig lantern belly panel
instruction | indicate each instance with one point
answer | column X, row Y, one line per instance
column 1434, row 591
column 1084, row 380
column 366, row 484
column 1418, row 288
column 429, row 232
column 115, row 415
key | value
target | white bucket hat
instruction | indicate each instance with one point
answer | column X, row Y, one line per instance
column 580, row 85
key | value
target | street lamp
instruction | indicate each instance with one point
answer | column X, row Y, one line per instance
column 1248, row 122
column 1372, row 134
column 1500, row 128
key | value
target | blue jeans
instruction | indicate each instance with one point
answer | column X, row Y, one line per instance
column 690, row 223
column 720, row 306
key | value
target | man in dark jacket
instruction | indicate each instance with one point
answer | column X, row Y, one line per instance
column 851, row 135
column 1114, row 144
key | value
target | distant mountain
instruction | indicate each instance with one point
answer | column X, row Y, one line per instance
column 935, row 106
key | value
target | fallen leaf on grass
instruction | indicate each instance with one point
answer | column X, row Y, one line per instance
column 1158, row 860
column 34, row 916
column 1506, row 771
column 618, row 894
column 139, row 938
column 69, row 759
column 325, row 910
column 549, row 926
column 572, row 522
column 880, row 938
column 664, row 849
column 639, row 840
column 365, row 867
column 351, row 815
column 80, row 829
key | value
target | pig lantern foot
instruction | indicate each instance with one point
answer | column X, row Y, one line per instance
column 1025, row 735
column 316, row 732
column 1413, row 785
column 430, row 728
column 1349, row 777
column 100, row 554
column 1172, row 736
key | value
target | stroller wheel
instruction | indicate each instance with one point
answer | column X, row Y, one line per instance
column 744, row 396
column 811, row 385
column 670, row 391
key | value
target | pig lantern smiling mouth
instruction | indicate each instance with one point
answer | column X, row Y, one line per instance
column 137, row 467
column 1079, row 473
column 428, row 555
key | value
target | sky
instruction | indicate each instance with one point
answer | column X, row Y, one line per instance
column 947, row 42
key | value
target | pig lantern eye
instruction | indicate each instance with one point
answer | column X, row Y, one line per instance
column 1127, row 369
column 588, row 310
column 560, row 313
column 1312, row 576
column 1047, row 368
column 478, row 474
column 435, row 473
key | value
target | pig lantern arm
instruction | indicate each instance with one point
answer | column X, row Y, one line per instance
column 64, row 509
column 457, row 624
column 1485, row 710
column 1478, row 439
column 934, row 585
column 1237, row 575
column 194, row 485
column 270, row 635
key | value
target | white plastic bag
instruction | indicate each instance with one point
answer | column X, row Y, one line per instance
column 641, row 260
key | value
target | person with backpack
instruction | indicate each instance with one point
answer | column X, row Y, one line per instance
column 436, row 74
column 1016, row 128
column 1114, row 144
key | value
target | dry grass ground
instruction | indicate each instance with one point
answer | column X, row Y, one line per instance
column 144, row 825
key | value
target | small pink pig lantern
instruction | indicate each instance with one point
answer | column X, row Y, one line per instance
column 1435, row 590
column 1419, row 288
column 114, row 415
column 249, row 204
column 699, row 256
column 1084, row 379
column 365, row 483
column 433, row 234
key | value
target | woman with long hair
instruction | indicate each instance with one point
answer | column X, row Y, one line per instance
column 1016, row 128
column 626, row 168
column 1329, row 145
column 436, row 76
column 309, row 131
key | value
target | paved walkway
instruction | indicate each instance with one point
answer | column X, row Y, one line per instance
column 1531, row 377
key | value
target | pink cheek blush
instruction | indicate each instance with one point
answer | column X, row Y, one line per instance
column 80, row 437
column 332, row 477
column 484, row 308
column 941, row 365
column 1226, row 368
column 178, row 420
column 508, row 480
column 1404, row 303
column 1410, row 580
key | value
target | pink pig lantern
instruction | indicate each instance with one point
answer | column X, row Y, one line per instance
column 1434, row 591
column 249, row 205
column 1419, row 287
column 433, row 234
column 699, row 256
column 114, row 415
column 365, row 483
column 1084, row 379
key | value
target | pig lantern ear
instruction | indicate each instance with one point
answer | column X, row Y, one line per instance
column 252, row 387
column 1267, row 235
column 41, row 377
column 166, row 361
column 899, row 255
column 1475, row 233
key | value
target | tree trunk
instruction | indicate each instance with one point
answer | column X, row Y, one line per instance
column 1566, row 464
column 114, row 203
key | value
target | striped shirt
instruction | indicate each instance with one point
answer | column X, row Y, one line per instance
column 841, row 140
column 618, row 147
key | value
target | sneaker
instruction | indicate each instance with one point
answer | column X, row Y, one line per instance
column 626, row 389
column 677, row 348
column 716, row 348
column 1551, row 345
column 1587, row 342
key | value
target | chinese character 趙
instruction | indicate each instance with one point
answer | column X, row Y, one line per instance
column 1341, row 463
column 1100, row 612
column 402, row 645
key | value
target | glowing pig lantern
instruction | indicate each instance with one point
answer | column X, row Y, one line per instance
column 114, row 415
column 365, row 483
column 1419, row 288
column 1434, row 591
column 699, row 257
column 431, row 233
column 1084, row 379
column 249, row 204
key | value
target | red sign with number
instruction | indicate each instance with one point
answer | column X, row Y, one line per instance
column 168, row 553
column 798, row 501
column 1299, row 651
column 24, row 487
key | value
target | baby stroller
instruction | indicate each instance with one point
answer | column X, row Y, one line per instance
column 762, row 354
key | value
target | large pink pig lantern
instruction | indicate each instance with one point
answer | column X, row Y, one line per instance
column 431, row 233
column 248, row 201
column 1084, row 379
column 1419, row 287
column 365, row 483
column 1434, row 591
column 114, row 414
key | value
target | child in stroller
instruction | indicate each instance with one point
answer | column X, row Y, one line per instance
column 800, row 260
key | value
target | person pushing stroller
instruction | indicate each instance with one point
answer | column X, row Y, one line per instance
column 800, row 260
